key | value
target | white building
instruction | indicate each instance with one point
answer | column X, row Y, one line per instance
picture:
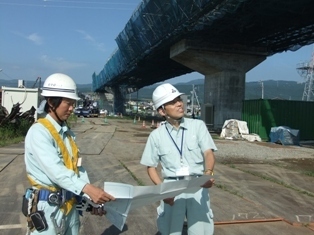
column 27, row 97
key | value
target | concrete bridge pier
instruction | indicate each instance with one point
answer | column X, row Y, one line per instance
column 224, row 69
column 118, row 100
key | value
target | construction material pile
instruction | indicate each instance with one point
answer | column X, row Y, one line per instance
column 15, row 116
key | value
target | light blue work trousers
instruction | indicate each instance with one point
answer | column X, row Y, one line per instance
column 194, row 207
column 71, row 220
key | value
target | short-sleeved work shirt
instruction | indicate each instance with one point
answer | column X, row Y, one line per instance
column 164, row 146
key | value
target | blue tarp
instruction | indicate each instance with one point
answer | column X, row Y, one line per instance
column 284, row 135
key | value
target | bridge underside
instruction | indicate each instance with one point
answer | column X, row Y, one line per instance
column 222, row 39
column 144, row 45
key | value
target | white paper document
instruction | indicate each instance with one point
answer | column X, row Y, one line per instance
column 130, row 197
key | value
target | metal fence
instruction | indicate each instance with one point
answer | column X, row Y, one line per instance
column 263, row 114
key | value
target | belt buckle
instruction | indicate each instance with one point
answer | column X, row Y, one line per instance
column 54, row 198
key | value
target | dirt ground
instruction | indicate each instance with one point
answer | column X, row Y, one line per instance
column 304, row 165
column 252, row 194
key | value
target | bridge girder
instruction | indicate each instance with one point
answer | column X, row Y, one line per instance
column 273, row 25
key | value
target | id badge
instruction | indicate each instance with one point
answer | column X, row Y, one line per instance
column 183, row 171
column 79, row 162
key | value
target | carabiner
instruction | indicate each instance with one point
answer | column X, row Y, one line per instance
column 59, row 229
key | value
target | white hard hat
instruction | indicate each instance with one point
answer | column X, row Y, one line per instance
column 164, row 93
column 60, row 85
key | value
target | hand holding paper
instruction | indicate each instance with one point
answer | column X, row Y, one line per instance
column 130, row 197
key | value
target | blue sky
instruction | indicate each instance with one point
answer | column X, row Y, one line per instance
column 41, row 37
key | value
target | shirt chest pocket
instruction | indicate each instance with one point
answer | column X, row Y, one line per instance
column 168, row 157
column 194, row 153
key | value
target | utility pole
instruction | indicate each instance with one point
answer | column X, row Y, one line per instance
column 262, row 85
column 192, row 106
column 306, row 71
column 39, row 82
column 194, row 96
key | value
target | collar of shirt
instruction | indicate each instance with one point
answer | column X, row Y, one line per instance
column 182, row 125
column 60, row 129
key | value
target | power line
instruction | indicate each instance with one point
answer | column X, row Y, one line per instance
column 48, row 5
column 87, row 2
column 1, row 72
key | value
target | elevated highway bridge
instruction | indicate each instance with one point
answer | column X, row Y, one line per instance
column 221, row 39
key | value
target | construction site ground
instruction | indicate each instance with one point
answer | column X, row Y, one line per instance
column 249, row 197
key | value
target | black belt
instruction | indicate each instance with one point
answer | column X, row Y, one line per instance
column 187, row 177
column 54, row 197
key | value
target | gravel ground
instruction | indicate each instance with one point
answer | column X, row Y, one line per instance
column 298, row 158
column 260, row 150
column 242, row 151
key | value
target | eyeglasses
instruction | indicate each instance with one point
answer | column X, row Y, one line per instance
column 69, row 103
column 174, row 101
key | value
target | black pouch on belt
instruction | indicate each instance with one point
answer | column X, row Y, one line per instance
column 25, row 200
column 24, row 205
column 39, row 221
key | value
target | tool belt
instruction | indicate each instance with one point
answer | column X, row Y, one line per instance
column 35, row 218
column 55, row 198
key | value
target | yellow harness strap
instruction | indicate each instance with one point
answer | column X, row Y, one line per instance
column 69, row 162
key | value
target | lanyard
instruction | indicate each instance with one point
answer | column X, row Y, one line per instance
column 180, row 150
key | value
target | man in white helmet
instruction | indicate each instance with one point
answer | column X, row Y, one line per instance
column 53, row 165
column 184, row 148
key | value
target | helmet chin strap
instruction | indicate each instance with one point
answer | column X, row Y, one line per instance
column 54, row 111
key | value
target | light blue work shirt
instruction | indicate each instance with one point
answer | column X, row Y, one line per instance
column 160, row 147
column 44, row 162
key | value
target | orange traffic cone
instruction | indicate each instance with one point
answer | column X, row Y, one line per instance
column 143, row 125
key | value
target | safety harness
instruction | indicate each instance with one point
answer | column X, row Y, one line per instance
column 69, row 162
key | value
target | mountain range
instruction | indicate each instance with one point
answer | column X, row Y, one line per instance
column 285, row 90
column 270, row 89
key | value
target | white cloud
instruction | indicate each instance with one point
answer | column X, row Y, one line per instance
column 98, row 45
column 35, row 38
column 60, row 64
